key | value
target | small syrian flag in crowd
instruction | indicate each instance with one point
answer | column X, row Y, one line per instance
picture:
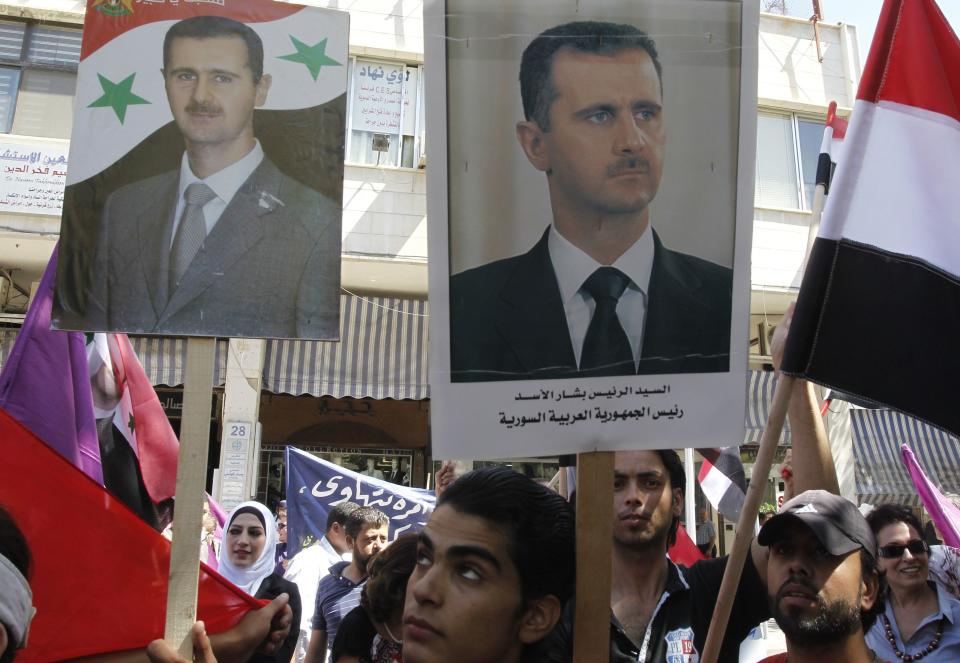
column 723, row 481
column 878, row 314
column 135, row 412
column 831, row 147
column 121, row 99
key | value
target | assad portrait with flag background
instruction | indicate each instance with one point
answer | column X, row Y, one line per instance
column 206, row 170
column 879, row 309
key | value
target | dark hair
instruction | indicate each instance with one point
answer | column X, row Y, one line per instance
column 537, row 523
column 365, row 515
column 208, row 27
column 388, row 572
column 339, row 514
column 678, row 479
column 889, row 514
column 598, row 37
column 868, row 566
column 251, row 510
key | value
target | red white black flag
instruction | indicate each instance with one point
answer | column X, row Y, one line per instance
column 722, row 480
column 879, row 310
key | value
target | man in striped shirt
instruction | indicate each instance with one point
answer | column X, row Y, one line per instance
column 339, row 592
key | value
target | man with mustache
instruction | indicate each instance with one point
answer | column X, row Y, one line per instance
column 823, row 582
column 226, row 245
column 599, row 294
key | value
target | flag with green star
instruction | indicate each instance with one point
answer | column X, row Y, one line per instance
column 118, row 96
column 313, row 57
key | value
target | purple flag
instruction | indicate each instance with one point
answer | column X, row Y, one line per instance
column 45, row 384
column 942, row 511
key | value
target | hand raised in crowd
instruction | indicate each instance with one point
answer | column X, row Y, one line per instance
column 274, row 620
column 159, row 651
column 445, row 476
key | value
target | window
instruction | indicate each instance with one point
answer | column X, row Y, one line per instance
column 788, row 147
column 385, row 113
column 38, row 78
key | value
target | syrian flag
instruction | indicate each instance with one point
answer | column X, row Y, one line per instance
column 121, row 99
column 831, row 147
column 723, row 481
column 138, row 447
column 878, row 314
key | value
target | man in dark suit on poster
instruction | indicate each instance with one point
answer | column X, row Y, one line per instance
column 599, row 294
column 226, row 245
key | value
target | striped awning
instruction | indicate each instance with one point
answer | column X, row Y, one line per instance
column 382, row 354
column 881, row 474
column 164, row 358
column 760, row 388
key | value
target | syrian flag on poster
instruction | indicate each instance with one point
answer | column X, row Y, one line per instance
column 120, row 88
column 831, row 148
column 723, row 481
column 878, row 313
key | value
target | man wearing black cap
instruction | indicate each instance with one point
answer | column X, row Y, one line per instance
column 823, row 584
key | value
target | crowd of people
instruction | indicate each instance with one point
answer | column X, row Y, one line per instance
column 491, row 579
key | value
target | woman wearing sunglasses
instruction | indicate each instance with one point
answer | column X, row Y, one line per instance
column 921, row 620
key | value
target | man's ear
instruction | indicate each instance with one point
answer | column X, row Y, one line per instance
column 349, row 540
column 870, row 590
column 263, row 86
column 539, row 618
column 530, row 136
column 677, row 506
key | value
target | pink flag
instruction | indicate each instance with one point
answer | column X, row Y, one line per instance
column 942, row 511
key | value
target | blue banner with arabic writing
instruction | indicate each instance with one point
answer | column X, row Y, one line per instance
column 314, row 486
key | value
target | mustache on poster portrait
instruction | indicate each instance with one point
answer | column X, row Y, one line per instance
column 201, row 108
column 627, row 165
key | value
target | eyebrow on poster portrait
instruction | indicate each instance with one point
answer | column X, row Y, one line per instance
column 503, row 312
column 121, row 267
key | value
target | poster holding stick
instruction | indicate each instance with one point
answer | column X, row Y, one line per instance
column 191, row 474
column 591, row 637
column 748, row 518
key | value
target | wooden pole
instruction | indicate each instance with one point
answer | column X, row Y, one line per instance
column 748, row 517
column 591, row 629
column 191, row 478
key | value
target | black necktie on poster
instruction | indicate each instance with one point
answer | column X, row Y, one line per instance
column 606, row 348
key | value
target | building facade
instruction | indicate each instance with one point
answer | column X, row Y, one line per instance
column 367, row 396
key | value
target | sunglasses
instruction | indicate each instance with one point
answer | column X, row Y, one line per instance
column 895, row 550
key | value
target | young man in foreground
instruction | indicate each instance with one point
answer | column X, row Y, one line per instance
column 495, row 565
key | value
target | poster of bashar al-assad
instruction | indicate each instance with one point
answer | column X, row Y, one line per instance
column 590, row 223
column 205, row 184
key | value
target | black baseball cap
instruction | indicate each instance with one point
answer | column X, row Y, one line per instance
column 835, row 521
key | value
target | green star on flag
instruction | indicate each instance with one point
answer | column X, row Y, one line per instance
column 313, row 57
column 117, row 96
column 132, row 424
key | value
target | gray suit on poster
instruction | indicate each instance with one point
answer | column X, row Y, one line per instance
column 269, row 268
